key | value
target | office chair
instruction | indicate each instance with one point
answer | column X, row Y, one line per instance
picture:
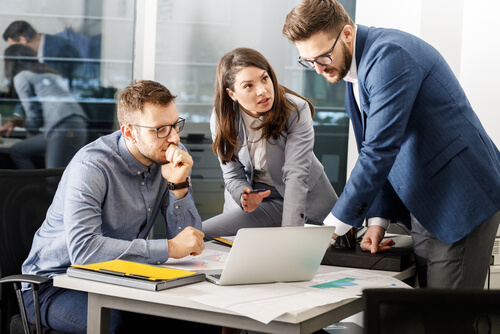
column 25, row 197
column 431, row 311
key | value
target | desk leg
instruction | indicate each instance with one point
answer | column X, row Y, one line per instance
column 97, row 316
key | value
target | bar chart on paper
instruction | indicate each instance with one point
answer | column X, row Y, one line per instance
column 352, row 282
column 208, row 260
column 339, row 284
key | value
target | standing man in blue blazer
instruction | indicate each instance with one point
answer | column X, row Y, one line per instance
column 49, row 48
column 423, row 153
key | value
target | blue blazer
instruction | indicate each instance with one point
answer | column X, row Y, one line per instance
column 297, row 174
column 59, row 47
column 421, row 147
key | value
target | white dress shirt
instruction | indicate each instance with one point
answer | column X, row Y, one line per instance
column 257, row 149
column 352, row 77
column 41, row 47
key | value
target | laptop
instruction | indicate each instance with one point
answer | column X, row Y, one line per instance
column 274, row 254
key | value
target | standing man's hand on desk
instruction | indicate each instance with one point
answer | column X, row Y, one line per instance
column 189, row 241
column 371, row 240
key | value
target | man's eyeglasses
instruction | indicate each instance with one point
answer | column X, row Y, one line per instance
column 164, row 131
column 321, row 60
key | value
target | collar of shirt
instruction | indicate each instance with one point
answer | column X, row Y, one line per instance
column 256, row 148
column 135, row 166
column 251, row 122
column 352, row 75
column 41, row 48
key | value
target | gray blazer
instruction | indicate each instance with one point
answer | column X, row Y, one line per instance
column 297, row 174
column 52, row 92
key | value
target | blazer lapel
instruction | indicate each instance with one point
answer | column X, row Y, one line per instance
column 354, row 114
column 358, row 117
column 243, row 152
column 362, row 33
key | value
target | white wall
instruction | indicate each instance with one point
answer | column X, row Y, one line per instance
column 480, row 65
column 466, row 32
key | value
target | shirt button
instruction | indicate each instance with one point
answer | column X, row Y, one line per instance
column 158, row 262
column 176, row 206
column 180, row 227
column 139, row 173
column 301, row 215
column 149, row 209
column 142, row 183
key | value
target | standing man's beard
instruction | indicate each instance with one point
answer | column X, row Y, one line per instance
column 344, row 68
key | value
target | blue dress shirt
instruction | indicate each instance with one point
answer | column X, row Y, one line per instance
column 104, row 209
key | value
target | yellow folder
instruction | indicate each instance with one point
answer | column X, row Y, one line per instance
column 136, row 270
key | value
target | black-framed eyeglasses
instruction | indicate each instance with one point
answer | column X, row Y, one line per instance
column 321, row 60
column 164, row 131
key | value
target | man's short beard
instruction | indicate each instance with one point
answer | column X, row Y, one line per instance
column 344, row 68
column 149, row 158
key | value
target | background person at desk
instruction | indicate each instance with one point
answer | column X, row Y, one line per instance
column 422, row 149
column 47, row 104
column 107, row 202
column 46, row 46
column 263, row 135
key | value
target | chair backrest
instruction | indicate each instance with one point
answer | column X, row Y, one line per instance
column 430, row 311
column 25, row 196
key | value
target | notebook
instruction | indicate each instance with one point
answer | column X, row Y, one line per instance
column 274, row 254
column 135, row 275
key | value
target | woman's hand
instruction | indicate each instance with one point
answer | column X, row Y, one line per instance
column 7, row 128
column 251, row 201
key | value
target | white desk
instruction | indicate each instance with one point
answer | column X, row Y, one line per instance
column 6, row 143
column 174, row 304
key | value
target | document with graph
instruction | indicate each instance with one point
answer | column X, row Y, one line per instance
column 206, row 261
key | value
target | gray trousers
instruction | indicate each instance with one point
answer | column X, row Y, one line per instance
column 59, row 147
column 462, row 264
column 268, row 214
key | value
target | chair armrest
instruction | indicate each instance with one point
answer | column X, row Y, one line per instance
column 33, row 279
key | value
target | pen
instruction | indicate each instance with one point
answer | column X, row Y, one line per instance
column 223, row 241
column 254, row 191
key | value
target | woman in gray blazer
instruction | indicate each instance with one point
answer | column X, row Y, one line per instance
column 263, row 136
column 48, row 106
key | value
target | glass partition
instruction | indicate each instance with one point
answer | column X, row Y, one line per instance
column 192, row 36
column 82, row 55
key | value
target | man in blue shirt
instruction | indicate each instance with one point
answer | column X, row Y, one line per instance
column 107, row 202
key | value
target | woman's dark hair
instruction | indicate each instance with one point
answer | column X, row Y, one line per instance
column 275, row 121
column 18, row 58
